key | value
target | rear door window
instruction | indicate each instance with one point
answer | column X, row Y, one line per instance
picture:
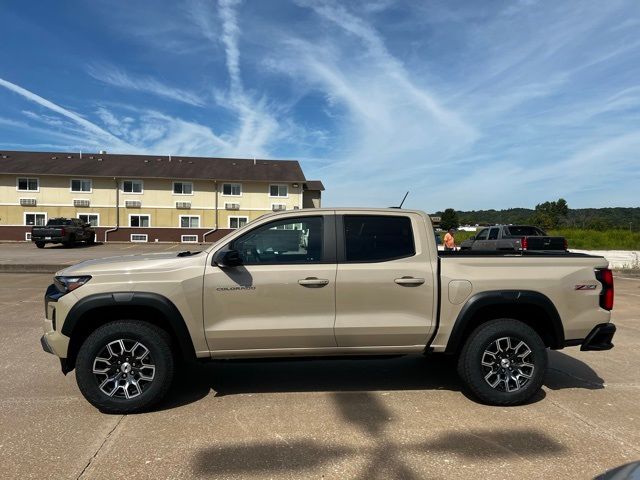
column 377, row 238
column 493, row 234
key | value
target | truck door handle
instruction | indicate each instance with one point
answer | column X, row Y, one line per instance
column 409, row 281
column 313, row 282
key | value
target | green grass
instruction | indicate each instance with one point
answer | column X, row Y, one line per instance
column 586, row 239
column 596, row 240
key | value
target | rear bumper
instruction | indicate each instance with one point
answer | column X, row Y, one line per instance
column 48, row 239
column 599, row 338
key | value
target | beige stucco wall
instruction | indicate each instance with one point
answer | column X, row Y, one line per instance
column 158, row 200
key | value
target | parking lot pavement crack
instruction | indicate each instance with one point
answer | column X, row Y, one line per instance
column 95, row 454
column 594, row 427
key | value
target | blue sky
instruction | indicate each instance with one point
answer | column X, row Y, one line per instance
column 470, row 105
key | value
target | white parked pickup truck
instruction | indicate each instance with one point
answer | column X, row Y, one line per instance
column 324, row 282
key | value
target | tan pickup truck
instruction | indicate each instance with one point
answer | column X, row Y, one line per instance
column 324, row 282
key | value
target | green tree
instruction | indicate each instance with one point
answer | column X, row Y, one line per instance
column 550, row 215
column 449, row 219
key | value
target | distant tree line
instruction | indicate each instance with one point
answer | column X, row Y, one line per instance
column 548, row 215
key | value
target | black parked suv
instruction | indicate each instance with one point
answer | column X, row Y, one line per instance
column 66, row 231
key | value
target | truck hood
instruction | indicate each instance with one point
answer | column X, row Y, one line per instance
column 130, row 263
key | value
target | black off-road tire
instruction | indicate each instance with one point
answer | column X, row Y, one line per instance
column 40, row 244
column 158, row 343
column 91, row 239
column 473, row 372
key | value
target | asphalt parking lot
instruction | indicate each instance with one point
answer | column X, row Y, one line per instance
column 370, row 418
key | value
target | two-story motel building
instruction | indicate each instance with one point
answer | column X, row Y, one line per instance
column 146, row 198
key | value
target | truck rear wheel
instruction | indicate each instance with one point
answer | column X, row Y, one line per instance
column 503, row 362
column 40, row 244
column 125, row 366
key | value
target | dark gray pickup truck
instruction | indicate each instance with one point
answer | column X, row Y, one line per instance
column 514, row 238
column 66, row 231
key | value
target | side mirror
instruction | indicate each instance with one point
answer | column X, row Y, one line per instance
column 227, row 258
column 472, row 238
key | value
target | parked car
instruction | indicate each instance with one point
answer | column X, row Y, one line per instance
column 513, row 238
column 365, row 281
column 66, row 231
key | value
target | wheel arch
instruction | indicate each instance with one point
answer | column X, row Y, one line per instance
column 96, row 310
column 533, row 308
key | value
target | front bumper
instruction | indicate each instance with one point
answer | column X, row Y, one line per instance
column 53, row 341
column 599, row 338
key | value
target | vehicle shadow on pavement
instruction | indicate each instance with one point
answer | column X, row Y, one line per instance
column 365, row 374
column 77, row 245
column 565, row 371
column 383, row 456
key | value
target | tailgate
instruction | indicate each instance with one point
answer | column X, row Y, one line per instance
column 46, row 232
column 545, row 243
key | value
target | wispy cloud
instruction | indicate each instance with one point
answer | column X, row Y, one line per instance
column 468, row 105
column 118, row 78
column 90, row 127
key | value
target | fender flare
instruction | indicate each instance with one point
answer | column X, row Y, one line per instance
column 133, row 299
column 497, row 298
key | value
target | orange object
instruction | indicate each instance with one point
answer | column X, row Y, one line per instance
column 449, row 241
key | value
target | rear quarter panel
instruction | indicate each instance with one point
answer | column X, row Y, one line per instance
column 554, row 277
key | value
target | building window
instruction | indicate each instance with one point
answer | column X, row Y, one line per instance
column 232, row 189
column 237, row 222
column 189, row 238
column 139, row 237
column 132, row 186
column 92, row 219
column 139, row 221
column 81, row 185
column 28, row 185
column 189, row 221
column 35, row 219
column 183, row 188
column 278, row 191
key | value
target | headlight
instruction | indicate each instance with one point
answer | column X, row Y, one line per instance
column 69, row 284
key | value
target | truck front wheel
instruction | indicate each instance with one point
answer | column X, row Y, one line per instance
column 503, row 362
column 40, row 244
column 125, row 366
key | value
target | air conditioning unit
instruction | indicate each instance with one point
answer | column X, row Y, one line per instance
column 133, row 203
column 28, row 202
column 279, row 206
column 183, row 205
column 81, row 203
column 232, row 206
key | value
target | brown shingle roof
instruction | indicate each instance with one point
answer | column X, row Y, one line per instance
column 149, row 166
column 314, row 185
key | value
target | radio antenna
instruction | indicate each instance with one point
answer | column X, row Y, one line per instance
column 405, row 197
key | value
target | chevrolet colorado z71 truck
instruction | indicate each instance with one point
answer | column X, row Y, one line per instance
column 324, row 282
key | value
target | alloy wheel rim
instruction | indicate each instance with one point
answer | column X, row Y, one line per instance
column 124, row 368
column 507, row 364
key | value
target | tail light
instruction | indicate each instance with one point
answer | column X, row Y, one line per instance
column 566, row 244
column 62, row 231
column 605, row 277
column 524, row 243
